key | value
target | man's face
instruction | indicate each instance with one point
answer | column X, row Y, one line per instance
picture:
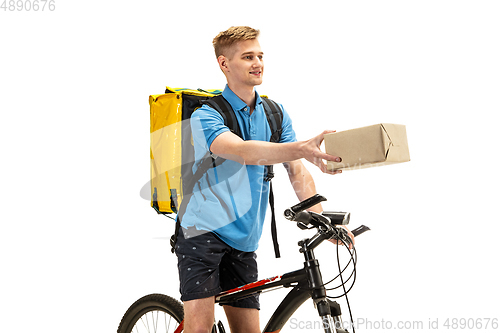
column 246, row 65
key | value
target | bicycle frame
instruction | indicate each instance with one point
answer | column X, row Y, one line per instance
column 307, row 283
column 294, row 299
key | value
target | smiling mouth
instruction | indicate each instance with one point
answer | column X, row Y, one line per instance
column 256, row 73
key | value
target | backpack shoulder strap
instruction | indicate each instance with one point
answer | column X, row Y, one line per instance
column 274, row 116
column 222, row 106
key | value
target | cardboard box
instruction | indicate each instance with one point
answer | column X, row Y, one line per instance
column 368, row 146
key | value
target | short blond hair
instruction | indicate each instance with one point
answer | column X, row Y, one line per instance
column 225, row 39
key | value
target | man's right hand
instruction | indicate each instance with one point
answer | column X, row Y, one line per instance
column 313, row 153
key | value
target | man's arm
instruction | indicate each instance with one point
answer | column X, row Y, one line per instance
column 252, row 152
column 303, row 185
column 302, row 182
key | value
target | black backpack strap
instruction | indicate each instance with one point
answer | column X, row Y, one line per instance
column 204, row 164
column 274, row 231
column 275, row 119
column 222, row 106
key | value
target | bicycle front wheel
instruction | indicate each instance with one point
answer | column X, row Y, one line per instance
column 152, row 313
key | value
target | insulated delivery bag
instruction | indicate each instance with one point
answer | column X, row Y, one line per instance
column 172, row 150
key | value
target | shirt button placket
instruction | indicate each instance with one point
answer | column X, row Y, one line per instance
column 249, row 121
column 252, row 128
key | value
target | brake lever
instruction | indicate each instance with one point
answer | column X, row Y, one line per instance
column 305, row 218
column 359, row 230
column 343, row 235
column 303, row 226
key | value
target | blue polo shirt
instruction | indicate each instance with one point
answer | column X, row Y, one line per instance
column 231, row 199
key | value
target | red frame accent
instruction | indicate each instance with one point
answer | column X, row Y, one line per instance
column 180, row 328
column 250, row 285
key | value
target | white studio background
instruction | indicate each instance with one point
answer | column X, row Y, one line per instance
column 78, row 243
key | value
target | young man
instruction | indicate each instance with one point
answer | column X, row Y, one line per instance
column 223, row 220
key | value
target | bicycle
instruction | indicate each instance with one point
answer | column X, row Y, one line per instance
column 162, row 313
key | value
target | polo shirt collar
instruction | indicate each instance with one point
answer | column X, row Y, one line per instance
column 236, row 103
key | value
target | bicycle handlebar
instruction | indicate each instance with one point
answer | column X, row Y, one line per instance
column 325, row 222
column 297, row 213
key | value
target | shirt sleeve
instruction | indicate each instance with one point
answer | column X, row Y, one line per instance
column 287, row 134
column 207, row 123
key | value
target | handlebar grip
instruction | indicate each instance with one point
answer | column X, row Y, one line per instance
column 308, row 203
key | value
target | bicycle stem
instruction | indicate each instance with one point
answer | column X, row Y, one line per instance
column 324, row 232
column 311, row 267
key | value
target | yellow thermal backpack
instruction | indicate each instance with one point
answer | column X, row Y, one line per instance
column 172, row 150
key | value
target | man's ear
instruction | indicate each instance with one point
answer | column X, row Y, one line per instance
column 222, row 60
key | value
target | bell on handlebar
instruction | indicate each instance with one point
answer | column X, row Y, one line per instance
column 338, row 218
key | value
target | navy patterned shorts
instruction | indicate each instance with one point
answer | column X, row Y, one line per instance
column 208, row 266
